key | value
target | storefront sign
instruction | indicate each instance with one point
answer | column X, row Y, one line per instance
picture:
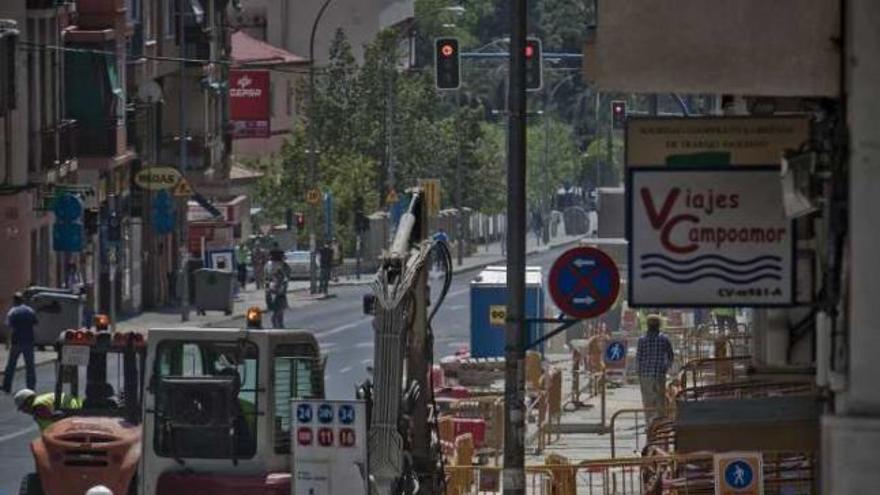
column 249, row 103
column 657, row 142
column 157, row 178
column 708, row 237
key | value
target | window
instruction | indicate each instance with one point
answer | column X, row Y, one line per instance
column 196, row 400
column 298, row 375
column 168, row 18
column 7, row 72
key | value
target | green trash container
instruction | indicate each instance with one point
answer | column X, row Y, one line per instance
column 213, row 290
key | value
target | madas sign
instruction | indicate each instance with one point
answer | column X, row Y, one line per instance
column 157, row 178
column 708, row 237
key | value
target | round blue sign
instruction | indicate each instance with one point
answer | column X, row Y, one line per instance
column 325, row 413
column 584, row 282
column 304, row 413
column 346, row 414
column 739, row 474
column 67, row 208
column 615, row 351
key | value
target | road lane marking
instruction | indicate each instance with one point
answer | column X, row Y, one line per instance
column 342, row 328
column 10, row 436
column 366, row 361
column 345, row 370
column 364, row 345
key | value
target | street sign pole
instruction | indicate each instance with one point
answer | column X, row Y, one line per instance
column 515, row 346
column 184, row 230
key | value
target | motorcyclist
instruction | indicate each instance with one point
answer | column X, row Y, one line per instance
column 278, row 274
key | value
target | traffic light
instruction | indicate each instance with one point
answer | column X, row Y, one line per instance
column 447, row 63
column 618, row 114
column 114, row 227
column 534, row 64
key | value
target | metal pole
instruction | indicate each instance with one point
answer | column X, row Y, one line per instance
column 313, row 156
column 113, row 266
column 514, row 386
column 459, row 235
column 181, row 111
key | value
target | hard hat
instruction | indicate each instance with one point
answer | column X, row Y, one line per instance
column 22, row 396
column 99, row 490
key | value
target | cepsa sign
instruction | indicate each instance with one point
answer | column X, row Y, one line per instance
column 249, row 102
column 708, row 237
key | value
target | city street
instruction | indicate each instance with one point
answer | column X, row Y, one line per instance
column 344, row 333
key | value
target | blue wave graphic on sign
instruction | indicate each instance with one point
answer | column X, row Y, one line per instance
column 716, row 257
column 719, row 276
column 710, row 265
column 689, row 270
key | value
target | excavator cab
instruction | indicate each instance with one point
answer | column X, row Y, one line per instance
column 95, row 437
column 217, row 408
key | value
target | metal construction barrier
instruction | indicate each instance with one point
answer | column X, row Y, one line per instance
column 746, row 390
column 638, row 426
column 784, row 473
column 713, row 371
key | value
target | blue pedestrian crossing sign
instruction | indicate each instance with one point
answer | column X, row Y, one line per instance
column 304, row 413
column 325, row 413
column 615, row 351
column 346, row 414
column 739, row 473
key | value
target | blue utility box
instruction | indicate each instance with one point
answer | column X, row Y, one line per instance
column 489, row 306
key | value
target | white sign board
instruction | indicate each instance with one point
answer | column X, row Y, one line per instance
column 709, row 237
column 329, row 447
column 740, row 473
column 75, row 355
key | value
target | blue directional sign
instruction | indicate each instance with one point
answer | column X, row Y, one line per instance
column 346, row 414
column 739, row 474
column 67, row 237
column 325, row 413
column 67, row 208
column 584, row 282
column 615, row 351
column 304, row 413
column 163, row 213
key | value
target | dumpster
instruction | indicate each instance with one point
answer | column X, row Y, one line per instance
column 57, row 310
column 213, row 290
column 488, row 309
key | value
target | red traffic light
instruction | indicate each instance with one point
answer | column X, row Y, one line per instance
column 447, row 50
column 530, row 50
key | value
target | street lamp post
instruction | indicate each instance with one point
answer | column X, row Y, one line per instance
column 313, row 156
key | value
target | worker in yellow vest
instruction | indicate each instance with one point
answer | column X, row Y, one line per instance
column 42, row 407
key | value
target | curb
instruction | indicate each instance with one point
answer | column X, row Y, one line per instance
column 22, row 366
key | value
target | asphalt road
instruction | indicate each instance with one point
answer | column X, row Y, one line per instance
column 345, row 335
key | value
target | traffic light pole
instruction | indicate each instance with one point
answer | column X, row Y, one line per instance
column 515, row 346
column 181, row 110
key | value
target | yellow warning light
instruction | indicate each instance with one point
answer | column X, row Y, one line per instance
column 254, row 317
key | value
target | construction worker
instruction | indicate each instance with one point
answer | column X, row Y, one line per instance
column 42, row 407
column 654, row 357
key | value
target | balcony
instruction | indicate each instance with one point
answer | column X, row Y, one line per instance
column 66, row 131
column 43, row 4
column 107, row 139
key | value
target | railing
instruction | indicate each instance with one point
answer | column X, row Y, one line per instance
column 100, row 140
column 639, row 428
column 691, row 474
column 746, row 390
column 713, row 371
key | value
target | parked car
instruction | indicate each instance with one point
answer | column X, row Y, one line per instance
column 298, row 261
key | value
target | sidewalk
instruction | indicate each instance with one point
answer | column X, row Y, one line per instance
column 484, row 256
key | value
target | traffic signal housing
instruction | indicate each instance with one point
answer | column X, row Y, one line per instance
column 447, row 63
column 534, row 65
column 618, row 114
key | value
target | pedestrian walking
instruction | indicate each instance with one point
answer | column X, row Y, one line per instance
column 258, row 260
column 21, row 319
column 242, row 275
column 72, row 278
column 337, row 258
column 42, row 407
column 325, row 255
column 654, row 357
